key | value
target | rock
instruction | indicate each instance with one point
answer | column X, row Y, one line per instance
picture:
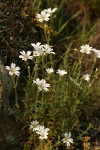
column 10, row 135
column 5, row 90
column 10, row 129
column 1, row 138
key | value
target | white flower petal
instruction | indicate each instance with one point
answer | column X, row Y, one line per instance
column 7, row 67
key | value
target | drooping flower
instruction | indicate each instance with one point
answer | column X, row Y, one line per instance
column 86, row 77
column 25, row 55
column 49, row 70
column 42, row 85
column 34, row 125
column 86, row 49
column 67, row 139
column 47, row 49
column 13, row 70
column 43, row 132
column 61, row 72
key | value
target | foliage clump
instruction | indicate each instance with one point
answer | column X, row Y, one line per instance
column 59, row 76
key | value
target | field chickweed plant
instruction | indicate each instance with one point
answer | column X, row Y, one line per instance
column 56, row 92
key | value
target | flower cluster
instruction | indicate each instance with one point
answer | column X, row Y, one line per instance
column 42, row 85
column 43, row 133
column 41, row 49
column 47, row 49
column 59, row 71
column 45, row 14
column 87, row 49
column 37, row 49
column 67, row 139
column 40, row 130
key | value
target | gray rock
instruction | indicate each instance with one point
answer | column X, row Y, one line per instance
column 5, row 90
column 10, row 133
column 10, row 129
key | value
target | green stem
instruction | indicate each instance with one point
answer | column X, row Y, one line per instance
column 42, row 100
column 15, row 81
column 41, row 145
column 51, row 60
column 28, row 70
column 36, row 102
column 95, row 59
column 47, row 36
column 35, row 68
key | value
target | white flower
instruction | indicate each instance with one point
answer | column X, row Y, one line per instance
column 97, row 52
column 36, row 53
column 50, row 11
column 67, row 139
column 43, row 16
column 13, row 70
column 54, row 9
column 86, row 77
column 96, row 69
column 50, row 70
column 25, row 55
column 37, row 81
column 86, row 49
column 34, row 125
column 36, row 46
column 43, row 132
column 42, row 85
column 61, row 72
column 41, row 49
column 47, row 49
column 37, row 49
